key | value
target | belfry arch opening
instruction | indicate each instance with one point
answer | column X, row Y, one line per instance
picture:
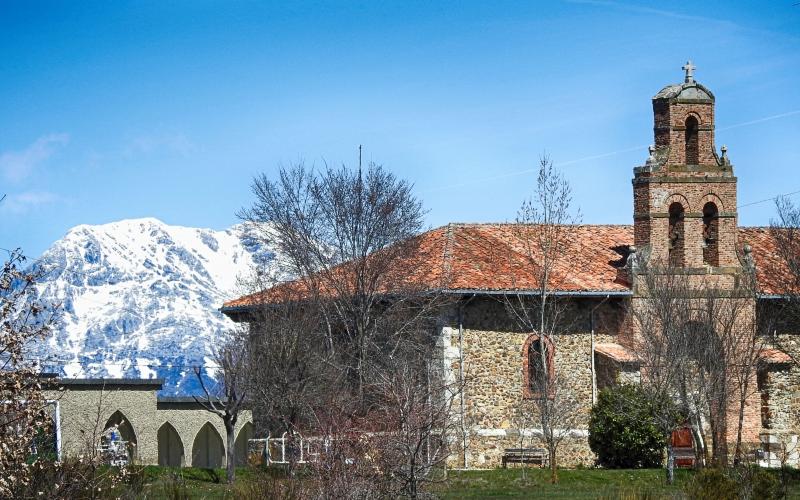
column 710, row 234
column 675, row 234
column 692, row 145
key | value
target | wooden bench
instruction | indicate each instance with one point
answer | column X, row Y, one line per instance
column 537, row 456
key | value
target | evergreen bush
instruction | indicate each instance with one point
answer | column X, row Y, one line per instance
column 623, row 431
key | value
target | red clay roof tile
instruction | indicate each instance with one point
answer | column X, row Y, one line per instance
column 491, row 257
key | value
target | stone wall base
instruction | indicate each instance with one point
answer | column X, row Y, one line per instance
column 486, row 446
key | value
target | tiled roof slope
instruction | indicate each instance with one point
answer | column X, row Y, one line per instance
column 771, row 271
column 492, row 258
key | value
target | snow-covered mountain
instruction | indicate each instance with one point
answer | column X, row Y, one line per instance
column 141, row 299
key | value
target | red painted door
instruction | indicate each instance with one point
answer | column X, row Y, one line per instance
column 683, row 447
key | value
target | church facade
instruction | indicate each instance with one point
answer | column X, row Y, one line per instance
column 684, row 214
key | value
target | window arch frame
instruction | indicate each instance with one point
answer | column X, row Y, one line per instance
column 527, row 391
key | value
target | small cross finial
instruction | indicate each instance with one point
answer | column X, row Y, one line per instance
column 689, row 69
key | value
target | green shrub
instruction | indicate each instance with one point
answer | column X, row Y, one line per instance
column 712, row 484
column 623, row 431
column 765, row 485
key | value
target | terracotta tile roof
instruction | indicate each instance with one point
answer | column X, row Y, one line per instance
column 771, row 271
column 774, row 356
column 616, row 352
column 492, row 258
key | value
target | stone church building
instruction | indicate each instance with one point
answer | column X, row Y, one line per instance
column 684, row 212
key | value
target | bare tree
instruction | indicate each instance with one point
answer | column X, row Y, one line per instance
column 23, row 407
column 227, row 397
column 659, row 345
column 542, row 238
column 293, row 375
column 783, row 271
column 345, row 233
column 346, row 349
column 699, row 345
column 417, row 406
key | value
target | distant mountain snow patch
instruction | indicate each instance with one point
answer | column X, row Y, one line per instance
column 140, row 298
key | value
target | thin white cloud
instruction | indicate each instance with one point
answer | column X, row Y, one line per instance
column 649, row 10
column 16, row 166
column 176, row 143
column 21, row 203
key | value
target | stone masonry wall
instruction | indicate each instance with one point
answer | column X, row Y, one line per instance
column 497, row 414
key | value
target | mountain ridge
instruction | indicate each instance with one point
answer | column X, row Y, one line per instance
column 140, row 298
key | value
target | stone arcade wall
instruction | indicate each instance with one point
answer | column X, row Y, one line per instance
column 496, row 411
column 86, row 405
column 188, row 417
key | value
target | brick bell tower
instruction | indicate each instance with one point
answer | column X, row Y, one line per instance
column 685, row 195
column 685, row 214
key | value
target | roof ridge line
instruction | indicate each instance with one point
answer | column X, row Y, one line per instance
column 474, row 224
column 447, row 255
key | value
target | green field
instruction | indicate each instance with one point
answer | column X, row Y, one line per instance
column 158, row 482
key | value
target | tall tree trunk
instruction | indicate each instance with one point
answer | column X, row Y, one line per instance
column 231, row 452
column 670, row 461
column 737, row 454
column 719, row 433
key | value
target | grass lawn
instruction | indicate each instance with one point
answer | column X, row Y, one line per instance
column 160, row 482
column 573, row 483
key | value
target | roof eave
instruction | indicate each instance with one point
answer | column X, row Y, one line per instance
column 563, row 293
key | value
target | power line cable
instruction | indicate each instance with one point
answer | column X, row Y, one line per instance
column 598, row 156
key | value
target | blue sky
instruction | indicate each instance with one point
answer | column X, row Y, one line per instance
column 115, row 110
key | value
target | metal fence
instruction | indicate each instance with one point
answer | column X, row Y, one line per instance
column 284, row 449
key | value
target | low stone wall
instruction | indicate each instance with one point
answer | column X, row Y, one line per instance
column 486, row 447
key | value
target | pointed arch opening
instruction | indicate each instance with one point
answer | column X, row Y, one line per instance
column 692, row 141
column 711, row 234
column 208, row 450
column 675, row 234
column 119, row 438
column 242, row 444
column 170, row 447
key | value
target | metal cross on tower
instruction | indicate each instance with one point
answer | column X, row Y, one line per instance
column 689, row 69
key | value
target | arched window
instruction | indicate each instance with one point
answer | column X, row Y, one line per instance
column 711, row 234
column 692, row 146
column 170, row 447
column 538, row 370
column 676, row 241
